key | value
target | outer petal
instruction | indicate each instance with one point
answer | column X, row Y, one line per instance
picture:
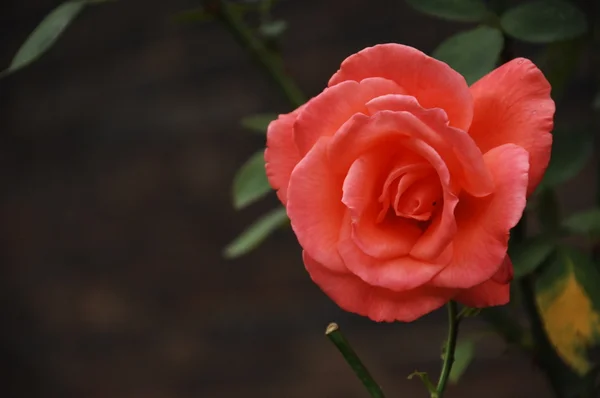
column 281, row 155
column 506, row 272
column 328, row 111
column 483, row 224
column 432, row 82
column 460, row 152
column 490, row 293
column 513, row 105
column 315, row 208
column 354, row 295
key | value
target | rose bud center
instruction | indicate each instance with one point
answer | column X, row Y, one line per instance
column 411, row 191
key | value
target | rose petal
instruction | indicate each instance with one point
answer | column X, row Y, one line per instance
column 442, row 229
column 489, row 293
column 513, row 105
column 506, row 272
column 432, row 82
column 420, row 200
column 459, row 150
column 397, row 274
column 483, row 224
column 328, row 111
column 380, row 305
column 364, row 179
column 409, row 168
column 362, row 134
column 281, row 155
column 392, row 237
column 315, row 208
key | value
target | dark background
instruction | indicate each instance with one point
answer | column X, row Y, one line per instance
column 117, row 150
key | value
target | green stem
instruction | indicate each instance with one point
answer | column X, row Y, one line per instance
column 337, row 338
column 234, row 22
column 453, row 322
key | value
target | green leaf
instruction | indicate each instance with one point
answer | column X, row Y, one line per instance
column 273, row 29
column 530, row 254
column 256, row 233
column 568, row 298
column 463, row 356
column 504, row 323
column 454, row 10
column 258, row 123
column 584, row 223
column 250, row 182
column 548, row 211
column 46, row 34
column 473, row 53
column 544, row 21
column 198, row 14
column 571, row 150
column 558, row 61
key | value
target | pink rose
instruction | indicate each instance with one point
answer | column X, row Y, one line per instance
column 402, row 183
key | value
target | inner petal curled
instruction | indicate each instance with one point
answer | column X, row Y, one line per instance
column 412, row 191
column 420, row 201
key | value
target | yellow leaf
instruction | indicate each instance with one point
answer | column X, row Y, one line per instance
column 567, row 311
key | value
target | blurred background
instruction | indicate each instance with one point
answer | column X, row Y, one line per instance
column 117, row 152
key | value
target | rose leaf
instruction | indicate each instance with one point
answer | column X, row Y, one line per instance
column 454, row 10
column 527, row 256
column 473, row 53
column 250, row 183
column 258, row 123
column 568, row 298
column 571, row 150
column 256, row 233
column 544, row 21
column 463, row 356
column 584, row 223
column 45, row 34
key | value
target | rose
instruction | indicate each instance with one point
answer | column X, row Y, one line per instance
column 402, row 183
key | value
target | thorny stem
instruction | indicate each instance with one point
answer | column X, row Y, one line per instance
column 453, row 322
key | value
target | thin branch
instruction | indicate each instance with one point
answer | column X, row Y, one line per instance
column 337, row 338
column 453, row 322
column 234, row 22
